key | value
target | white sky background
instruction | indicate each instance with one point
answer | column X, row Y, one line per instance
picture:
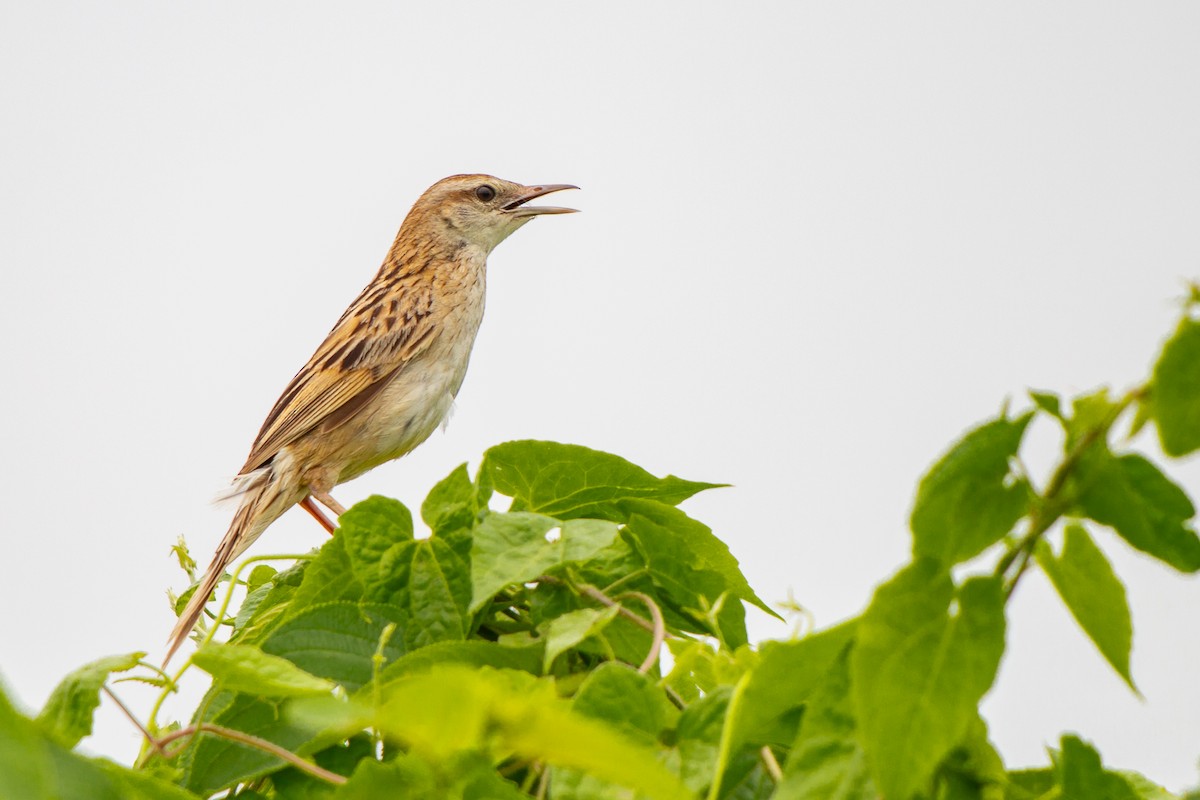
column 818, row 242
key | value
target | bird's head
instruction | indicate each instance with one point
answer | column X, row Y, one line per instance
column 482, row 209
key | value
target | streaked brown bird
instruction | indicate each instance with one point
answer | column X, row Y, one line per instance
column 386, row 375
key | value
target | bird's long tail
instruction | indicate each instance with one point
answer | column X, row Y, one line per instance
column 263, row 498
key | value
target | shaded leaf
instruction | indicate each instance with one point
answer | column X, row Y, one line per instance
column 341, row 758
column 974, row 770
column 338, row 641
column 698, row 738
column 1093, row 594
column 681, row 549
column 1030, row 784
column 965, row 503
column 568, row 481
column 471, row 653
column 67, row 715
column 265, row 604
column 919, row 671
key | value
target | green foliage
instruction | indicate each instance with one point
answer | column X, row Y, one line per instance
column 964, row 503
column 1175, row 390
column 1093, row 593
column 35, row 764
column 919, row 669
column 243, row 668
column 515, row 654
column 67, row 715
column 1147, row 509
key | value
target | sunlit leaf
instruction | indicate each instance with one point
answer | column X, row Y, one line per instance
column 924, row 656
column 1094, row 595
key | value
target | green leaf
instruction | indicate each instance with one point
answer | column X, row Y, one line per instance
column 1147, row 789
column 1050, row 403
column 33, row 765
column 341, row 758
column 966, row 502
column 214, row 763
column 67, row 715
column 564, row 632
column 244, row 668
column 368, row 530
column 974, row 770
column 1082, row 777
column 629, row 702
column 1030, row 784
column 451, row 504
column 432, row 584
column 512, row 548
column 826, row 760
column 919, row 669
column 768, row 699
column 1150, row 512
column 405, row 776
column 626, row 699
column 698, row 738
column 259, row 576
column 683, row 551
column 337, row 641
column 471, row 653
column 1094, row 595
column 1089, row 412
column 267, row 603
column 456, row 709
column 1175, row 390
column 328, row 578
column 568, row 481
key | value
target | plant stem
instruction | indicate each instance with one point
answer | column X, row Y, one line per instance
column 154, row 743
column 660, row 629
column 1050, row 504
column 173, row 681
column 770, row 764
column 255, row 742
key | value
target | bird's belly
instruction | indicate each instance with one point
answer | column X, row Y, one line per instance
column 405, row 412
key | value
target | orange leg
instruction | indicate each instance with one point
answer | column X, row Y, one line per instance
column 326, row 500
column 311, row 507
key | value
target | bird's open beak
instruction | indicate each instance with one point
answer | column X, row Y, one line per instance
column 519, row 209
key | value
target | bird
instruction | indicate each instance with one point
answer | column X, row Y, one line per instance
column 386, row 375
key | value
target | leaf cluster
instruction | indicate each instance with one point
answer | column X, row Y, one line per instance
column 517, row 650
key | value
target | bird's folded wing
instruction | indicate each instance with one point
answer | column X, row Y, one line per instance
column 364, row 351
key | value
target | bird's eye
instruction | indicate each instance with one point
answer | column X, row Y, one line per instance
column 486, row 193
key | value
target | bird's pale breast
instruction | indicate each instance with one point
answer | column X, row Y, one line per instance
column 419, row 397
